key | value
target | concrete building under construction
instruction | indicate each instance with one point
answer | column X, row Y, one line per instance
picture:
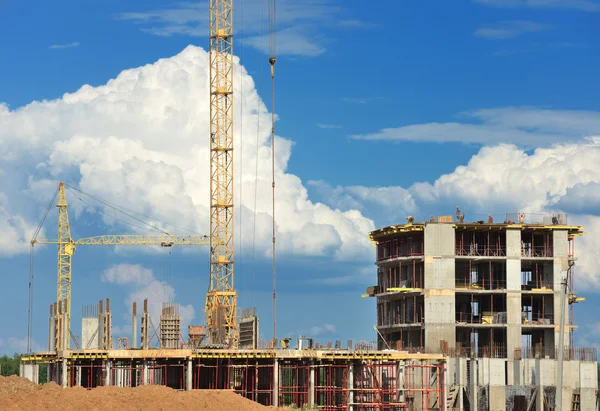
column 489, row 296
column 322, row 376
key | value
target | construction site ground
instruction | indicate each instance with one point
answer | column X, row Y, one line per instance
column 18, row 393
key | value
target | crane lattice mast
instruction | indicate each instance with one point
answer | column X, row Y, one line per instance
column 65, row 253
column 221, row 297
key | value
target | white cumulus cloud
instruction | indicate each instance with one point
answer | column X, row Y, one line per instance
column 143, row 285
column 141, row 141
column 498, row 180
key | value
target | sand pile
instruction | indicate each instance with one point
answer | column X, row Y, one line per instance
column 20, row 394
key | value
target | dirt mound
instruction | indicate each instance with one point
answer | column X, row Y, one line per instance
column 20, row 394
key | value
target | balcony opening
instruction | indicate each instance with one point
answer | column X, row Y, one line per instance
column 537, row 344
column 480, row 243
column 537, row 309
column 409, row 339
column 402, row 245
column 401, row 311
column 536, row 244
column 480, row 275
column 537, row 275
column 480, row 309
column 481, row 343
column 406, row 274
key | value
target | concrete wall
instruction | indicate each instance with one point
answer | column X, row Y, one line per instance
column 513, row 274
column 513, row 242
column 523, row 376
column 548, row 372
column 30, row 371
column 497, row 371
column 513, row 340
column 439, row 282
column 561, row 265
column 439, row 273
column 439, row 240
column 588, row 379
column 456, row 371
column 561, row 243
column 561, row 254
column 90, row 333
column 497, row 398
column 439, row 318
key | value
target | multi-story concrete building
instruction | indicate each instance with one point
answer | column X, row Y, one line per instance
column 482, row 290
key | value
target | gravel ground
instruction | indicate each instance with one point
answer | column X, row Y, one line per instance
column 18, row 393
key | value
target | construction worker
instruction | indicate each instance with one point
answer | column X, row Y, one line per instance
column 460, row 217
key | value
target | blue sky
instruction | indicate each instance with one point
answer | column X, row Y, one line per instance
column 409, row 109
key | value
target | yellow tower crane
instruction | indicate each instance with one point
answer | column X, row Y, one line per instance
column 220, row 309
column 67, row 246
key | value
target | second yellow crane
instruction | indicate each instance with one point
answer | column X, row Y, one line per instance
column 67, row 246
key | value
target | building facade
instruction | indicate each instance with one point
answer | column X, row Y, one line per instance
column 481, row 290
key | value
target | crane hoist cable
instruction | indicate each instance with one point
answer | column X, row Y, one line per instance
column 31, row 269
column 100, row 211
column 120, row 209
column 272, row 60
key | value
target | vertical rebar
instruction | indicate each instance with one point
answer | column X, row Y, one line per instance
column 134, row 327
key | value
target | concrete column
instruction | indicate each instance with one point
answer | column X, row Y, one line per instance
column 517, row 373
column 78, row 379
column 496, row 374
column 350, row 386
column 561, row 265
column 188, row 375
column 439, row 279
column 57, row 369
column 145, row 372
column 474, row 389
column 513, row 288
column 50, row 332
column 276, row 383
column 513, row 320
column 311, row 386
column 49, row 373
column 538, row 380
column 64, row 373
column 460, row 381
column 588, row 377
column 134, row 327
column 513, row 242
column 108, row 373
